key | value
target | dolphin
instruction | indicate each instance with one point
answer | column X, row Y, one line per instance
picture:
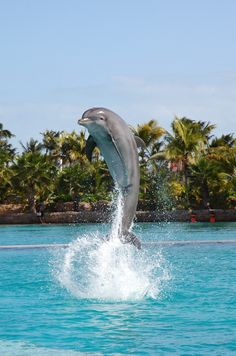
column 118, row 145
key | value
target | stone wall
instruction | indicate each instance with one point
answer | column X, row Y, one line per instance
column 103, row 216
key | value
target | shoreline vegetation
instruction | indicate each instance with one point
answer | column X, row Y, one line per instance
column 181, row 170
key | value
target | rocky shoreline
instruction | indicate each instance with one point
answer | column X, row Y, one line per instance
column 98, row 216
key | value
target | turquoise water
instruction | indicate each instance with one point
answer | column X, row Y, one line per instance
column 99, row 299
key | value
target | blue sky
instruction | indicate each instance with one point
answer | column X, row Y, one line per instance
column 143, row 59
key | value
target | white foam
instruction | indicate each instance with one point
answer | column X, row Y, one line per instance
column 94, row 268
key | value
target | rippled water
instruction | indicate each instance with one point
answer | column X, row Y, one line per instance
column 103, row 298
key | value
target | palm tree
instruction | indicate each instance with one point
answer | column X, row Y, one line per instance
column 204, row 175
column 51, row 142
column 223, row 151
column 187, row 143
column 72, row 147
column 32, row 146
column 151, row 133
column 229, row 182
column 33, row 176
column 223, row 141
column 4, row 134
column 7, row 154
column 214, row 172
column 6, row 157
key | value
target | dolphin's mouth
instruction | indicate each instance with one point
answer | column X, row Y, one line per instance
column 84, row 121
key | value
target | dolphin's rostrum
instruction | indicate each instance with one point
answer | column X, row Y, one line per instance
column 118, row 145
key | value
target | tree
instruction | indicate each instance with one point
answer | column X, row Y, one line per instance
column 32, row 146
column 223, row 141
column 33, row 176
column 91, row 181
column 213, row 173
column 65, row 148
column 7, row 154
column 151, row 134
column 72, row 147
column 204, row 175
column 51, row 142
column 187, row 143
column 4, row 134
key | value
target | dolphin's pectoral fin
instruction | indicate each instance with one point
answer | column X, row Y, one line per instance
column 90, row 145
column 130, row 238
column 139, row 142
column 115, row 144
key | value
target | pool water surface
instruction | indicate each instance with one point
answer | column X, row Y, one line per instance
column 101, row 298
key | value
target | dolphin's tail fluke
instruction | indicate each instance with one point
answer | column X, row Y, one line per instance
column 130, row 238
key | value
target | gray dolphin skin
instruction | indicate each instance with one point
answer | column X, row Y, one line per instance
column 118, row 145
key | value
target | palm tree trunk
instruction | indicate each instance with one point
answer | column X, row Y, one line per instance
column 205, row 194
column 185, row 172
column 31, row 201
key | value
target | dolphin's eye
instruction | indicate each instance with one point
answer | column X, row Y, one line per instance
column 102, row 118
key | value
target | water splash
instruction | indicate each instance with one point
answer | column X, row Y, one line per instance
column 96, row 268
column 117, row 216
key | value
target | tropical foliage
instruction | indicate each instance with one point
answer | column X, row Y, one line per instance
column 186, row 167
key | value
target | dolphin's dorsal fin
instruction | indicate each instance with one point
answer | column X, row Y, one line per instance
column 139, row 142
column 89, row 147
